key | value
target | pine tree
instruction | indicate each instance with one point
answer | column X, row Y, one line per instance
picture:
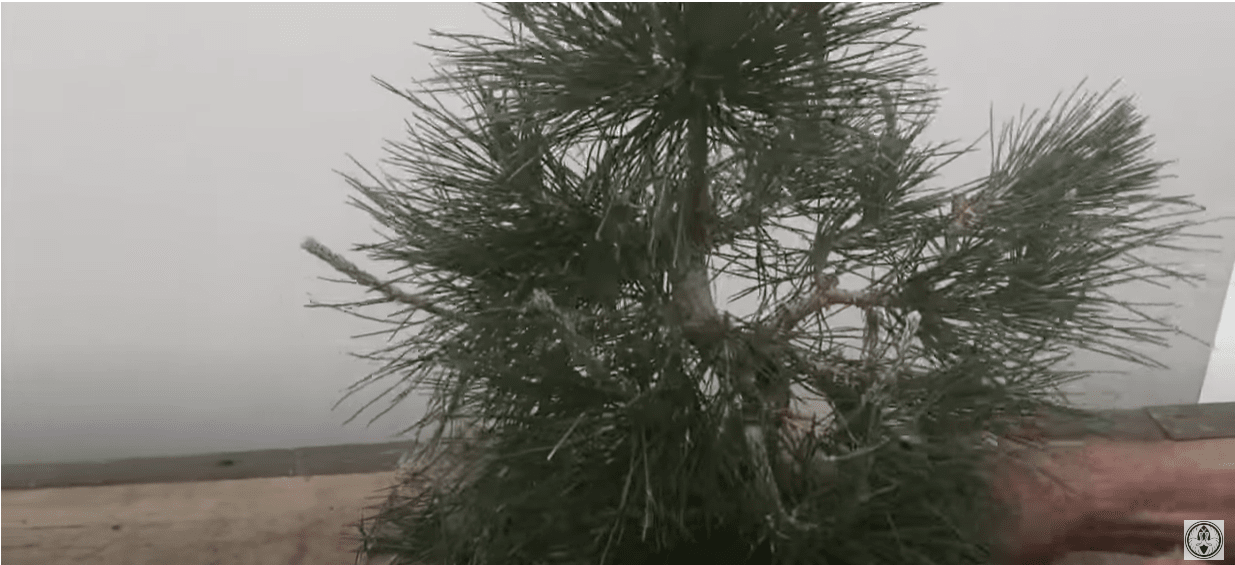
column 565, row 236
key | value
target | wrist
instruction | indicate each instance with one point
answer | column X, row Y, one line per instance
column 1162, row 477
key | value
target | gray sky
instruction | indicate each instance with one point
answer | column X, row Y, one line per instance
column 161, row 163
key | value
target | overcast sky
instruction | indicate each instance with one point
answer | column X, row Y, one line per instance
column 162, row 162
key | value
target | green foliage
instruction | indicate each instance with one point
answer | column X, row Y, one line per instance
column 611, row 160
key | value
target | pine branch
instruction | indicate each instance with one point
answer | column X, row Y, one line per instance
column 692, row 291
column 703, row 321
column 387, row 289
column 717, row 131
column 579, row 345
column 824, row 294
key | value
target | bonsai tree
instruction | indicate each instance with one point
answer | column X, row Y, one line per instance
column 678, row 285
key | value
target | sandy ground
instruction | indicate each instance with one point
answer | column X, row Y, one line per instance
column 267, row 521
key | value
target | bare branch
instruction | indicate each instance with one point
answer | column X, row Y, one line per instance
column 692, row 293
column 823, row 295
column 344, row 305
column 365, row 279
column 580, row 346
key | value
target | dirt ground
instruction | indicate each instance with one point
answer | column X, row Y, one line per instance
column 266, row 521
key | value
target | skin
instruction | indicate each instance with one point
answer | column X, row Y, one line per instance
column 1114, row 497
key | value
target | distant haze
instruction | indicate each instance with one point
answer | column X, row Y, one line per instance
column 162, row 162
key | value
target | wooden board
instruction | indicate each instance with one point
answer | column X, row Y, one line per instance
column 1196, row 421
